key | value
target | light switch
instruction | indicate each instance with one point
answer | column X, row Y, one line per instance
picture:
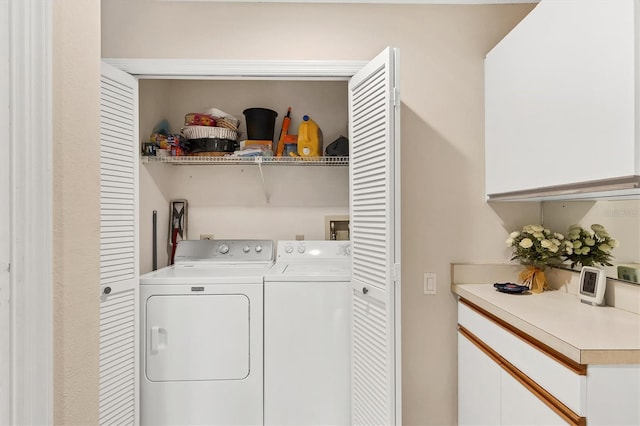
column 429, row 283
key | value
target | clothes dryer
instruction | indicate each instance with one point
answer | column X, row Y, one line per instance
column 202, row 339
column 307, row 334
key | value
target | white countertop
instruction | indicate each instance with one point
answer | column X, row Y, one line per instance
column 586, row 334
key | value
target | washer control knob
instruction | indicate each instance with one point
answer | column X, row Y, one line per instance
column 301, row 249
column 246, row 249
column 347, row 250
column 258, row 248
column 223, row 249
column 288, row 249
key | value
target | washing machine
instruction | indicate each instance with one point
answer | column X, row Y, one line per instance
column 202, row 339
column 307, row 334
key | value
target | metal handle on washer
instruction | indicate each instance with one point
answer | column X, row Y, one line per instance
column 155, row 337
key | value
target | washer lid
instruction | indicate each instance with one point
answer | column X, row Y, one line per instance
column 319, row 270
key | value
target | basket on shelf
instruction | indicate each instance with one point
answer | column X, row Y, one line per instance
column 202, row 132
column 227, row 123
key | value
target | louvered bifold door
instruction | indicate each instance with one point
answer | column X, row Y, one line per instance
column 118, row 248
column 375, row 233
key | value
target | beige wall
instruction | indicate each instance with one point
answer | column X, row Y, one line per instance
column 444, row 214
column 76, row 71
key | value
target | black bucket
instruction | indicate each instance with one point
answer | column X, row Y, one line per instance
column 260, row 123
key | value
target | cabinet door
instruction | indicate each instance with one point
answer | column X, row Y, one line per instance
column 375, row 237
column 478, row 386
column 118, row 392
column 560, row 97
column 521, row 407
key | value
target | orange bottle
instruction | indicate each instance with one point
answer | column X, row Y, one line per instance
column 309, row 138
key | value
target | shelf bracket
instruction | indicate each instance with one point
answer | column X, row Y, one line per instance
column 258, row 161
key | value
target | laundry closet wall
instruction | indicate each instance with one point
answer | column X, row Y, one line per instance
column 444, row 214
column 230, row 201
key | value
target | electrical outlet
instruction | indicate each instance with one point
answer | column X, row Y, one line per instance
column 206, row 236
column 429, row 283
column 299, row 237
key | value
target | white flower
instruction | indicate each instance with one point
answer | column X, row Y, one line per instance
column 526, row 243
column 590, row 246
column 569, row 250
column 537, row 245
column 605, row 248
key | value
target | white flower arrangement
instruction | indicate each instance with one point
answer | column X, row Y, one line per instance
column 537, row 246
column 589, row 247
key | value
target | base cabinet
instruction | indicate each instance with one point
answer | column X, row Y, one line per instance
column 506, row 377
column 489, row 395
column 478, row 386
column 519, row 406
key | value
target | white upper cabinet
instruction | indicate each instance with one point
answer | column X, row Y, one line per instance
column 562, row 102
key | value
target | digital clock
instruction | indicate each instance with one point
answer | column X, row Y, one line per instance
column 592, row 285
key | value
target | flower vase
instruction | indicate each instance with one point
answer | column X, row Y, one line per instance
column 534, row 278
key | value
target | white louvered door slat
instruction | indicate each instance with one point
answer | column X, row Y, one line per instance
column 5, row 211
column 375, row 239
column 118, row 403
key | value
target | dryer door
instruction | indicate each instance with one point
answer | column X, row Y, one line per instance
column 197, row 337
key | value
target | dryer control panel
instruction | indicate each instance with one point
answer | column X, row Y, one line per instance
column 204, row 251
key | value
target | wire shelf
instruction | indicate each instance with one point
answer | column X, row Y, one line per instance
column 232, row 160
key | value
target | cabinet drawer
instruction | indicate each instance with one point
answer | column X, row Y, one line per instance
column 565, row 382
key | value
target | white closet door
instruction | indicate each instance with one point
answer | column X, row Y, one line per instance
column 118, row 248
column 374, row 109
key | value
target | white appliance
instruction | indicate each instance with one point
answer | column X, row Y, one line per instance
column 307, row 334
column 202, row 340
